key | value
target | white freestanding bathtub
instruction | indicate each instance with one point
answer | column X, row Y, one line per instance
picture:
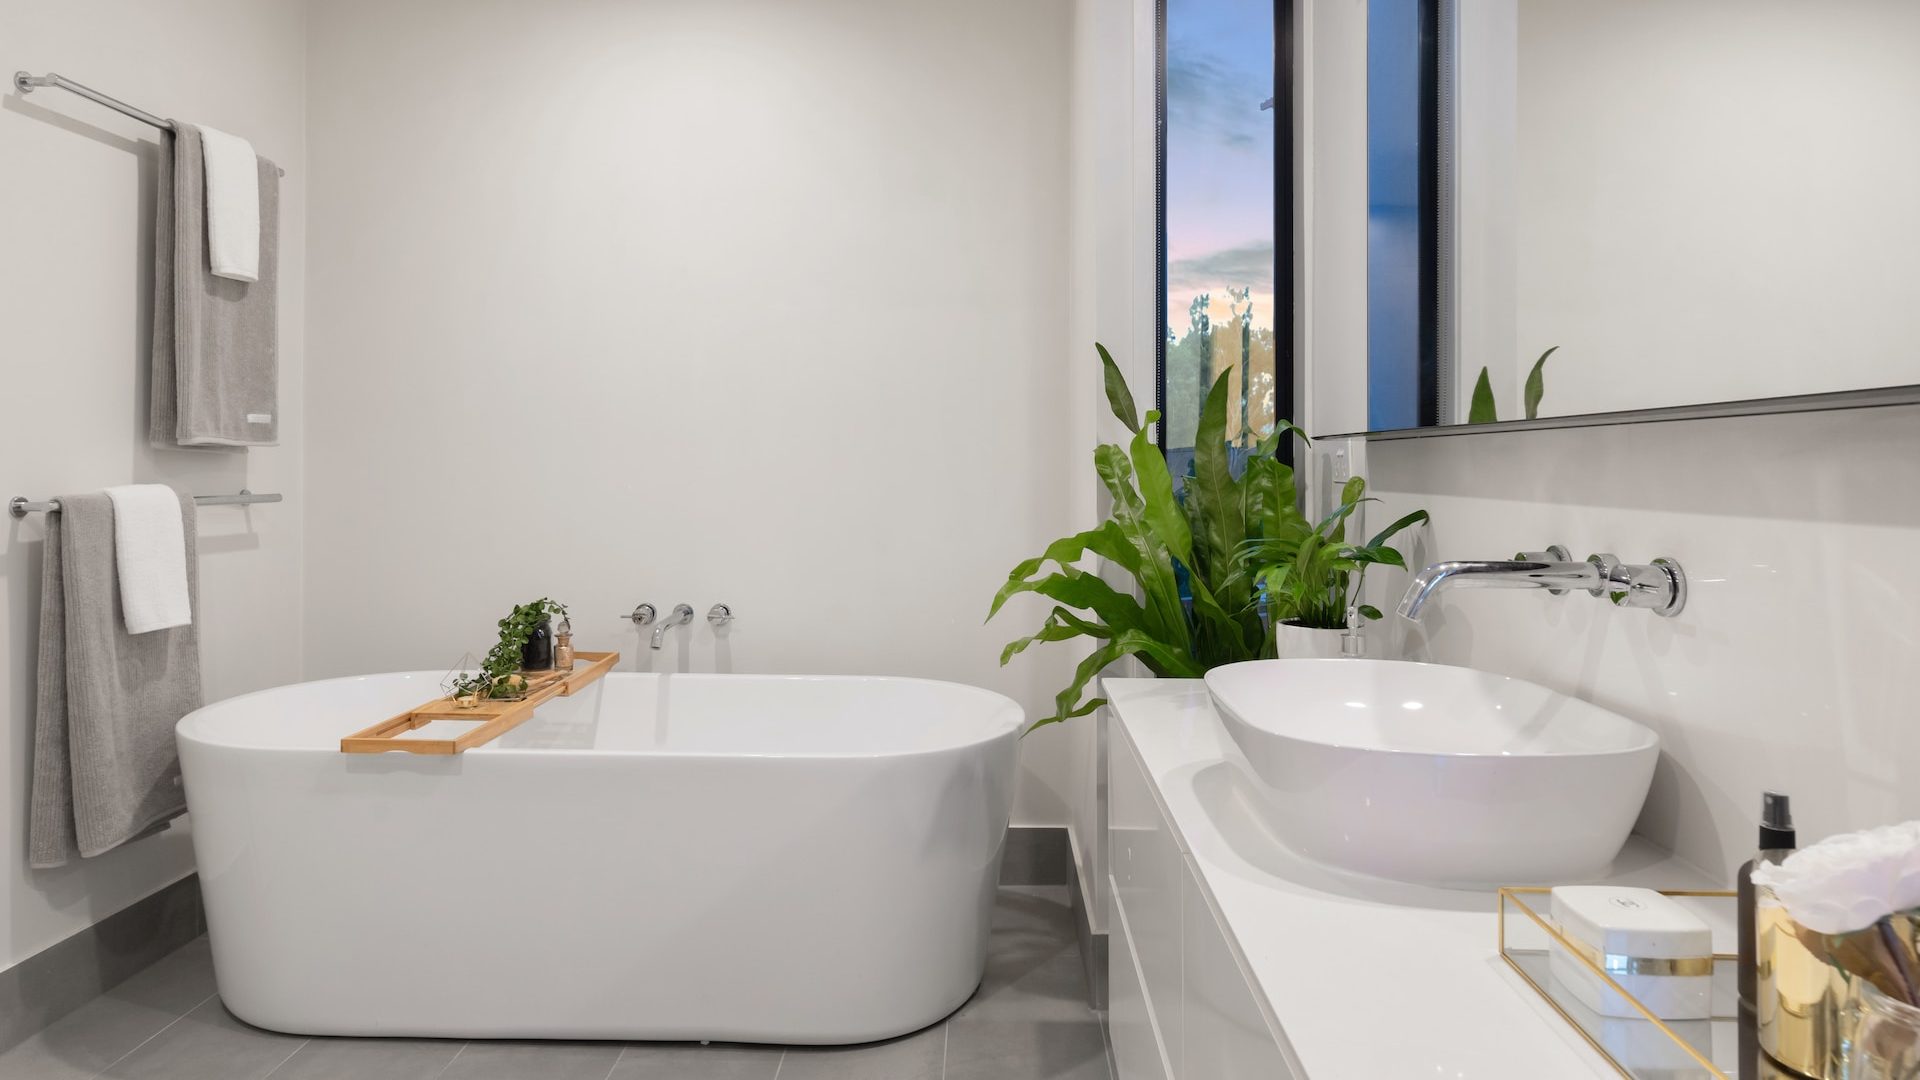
column 728, row 857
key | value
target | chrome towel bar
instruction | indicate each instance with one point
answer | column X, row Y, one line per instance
column 20, row 507
column 26, row 83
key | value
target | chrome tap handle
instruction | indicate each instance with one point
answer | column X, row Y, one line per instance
column 719, row 615
column 1554, row 553
column 643, row 615
column 1660, row 586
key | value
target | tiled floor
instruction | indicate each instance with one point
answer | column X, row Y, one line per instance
column 1029, row 1021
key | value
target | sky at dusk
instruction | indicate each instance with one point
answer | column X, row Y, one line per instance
column 1219, row 187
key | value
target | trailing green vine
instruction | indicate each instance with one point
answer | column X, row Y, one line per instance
column 499, row 674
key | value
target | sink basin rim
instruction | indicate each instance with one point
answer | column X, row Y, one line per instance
column 1643, row 738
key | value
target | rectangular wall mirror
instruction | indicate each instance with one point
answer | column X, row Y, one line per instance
column 1688, row 208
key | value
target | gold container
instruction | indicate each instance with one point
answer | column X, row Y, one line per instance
column 1802, row 1001
column 1808, row 1011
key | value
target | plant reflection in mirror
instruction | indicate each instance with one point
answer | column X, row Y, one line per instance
column 1482, row 410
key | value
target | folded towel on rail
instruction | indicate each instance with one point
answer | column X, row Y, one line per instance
column 150, row 554
column 233, row 204
column 105, row 767
column 215, row 360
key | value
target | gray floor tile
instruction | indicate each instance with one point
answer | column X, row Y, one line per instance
column 39, row 1058
column 1026, row 1050
column 46, row 987
column 105, row 1029
column 1034, row 909
column 1030, row 987
column 369, row 1059
column 530, row 1060
column 1034, row 971
column 691, row 1061
column 920, row 1056
column 178, row 983
column 207, row 1044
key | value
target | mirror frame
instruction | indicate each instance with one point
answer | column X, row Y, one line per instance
column 1879, row 397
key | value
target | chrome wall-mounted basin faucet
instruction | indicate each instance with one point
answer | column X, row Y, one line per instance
column 681, row 616
column 1660, row 585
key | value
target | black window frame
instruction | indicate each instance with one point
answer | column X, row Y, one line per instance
column 1432, row 160
column 1282, row 104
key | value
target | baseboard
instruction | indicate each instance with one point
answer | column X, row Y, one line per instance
column 1093, row 947
column 1037, row 855
column 57, row 980
column 1043, row 855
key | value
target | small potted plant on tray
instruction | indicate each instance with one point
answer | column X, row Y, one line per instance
column 503, row 673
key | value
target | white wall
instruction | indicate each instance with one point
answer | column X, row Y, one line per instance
column 1791, row 667
column 749, row 301
column 76, row 208
column 1699, row 202
column 1113, row 301
column 1331, row 203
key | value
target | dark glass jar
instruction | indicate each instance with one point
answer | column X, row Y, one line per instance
column 537, row 653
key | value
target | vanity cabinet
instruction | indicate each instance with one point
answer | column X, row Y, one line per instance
column 1181, row 1005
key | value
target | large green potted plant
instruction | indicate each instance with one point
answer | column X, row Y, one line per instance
column 1311, row 578
column 1225, row 537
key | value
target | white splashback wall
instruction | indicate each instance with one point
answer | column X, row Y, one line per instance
column 76, row 209
column 1792, row 667
column 788, row 331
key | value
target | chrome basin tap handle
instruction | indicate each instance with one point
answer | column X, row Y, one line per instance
column 1555, row 553
column 719, row 615
column 1660, row 585
column 682, row 615
column 642, row 615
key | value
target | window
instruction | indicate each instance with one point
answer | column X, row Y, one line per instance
column 1224, row 187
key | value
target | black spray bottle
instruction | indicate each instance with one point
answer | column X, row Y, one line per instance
column 1777, row 841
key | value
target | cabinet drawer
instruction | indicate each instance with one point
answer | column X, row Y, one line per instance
column 1147, row 868
column 1135, row 1030
column 1226, row 1036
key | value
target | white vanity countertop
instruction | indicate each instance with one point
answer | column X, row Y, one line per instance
column 1368, row 979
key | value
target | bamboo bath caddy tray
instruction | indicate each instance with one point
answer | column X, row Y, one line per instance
column 494, row 718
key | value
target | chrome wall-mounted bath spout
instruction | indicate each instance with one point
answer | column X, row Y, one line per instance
column 682, row 615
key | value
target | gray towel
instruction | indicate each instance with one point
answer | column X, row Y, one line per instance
column 216, row 362
column 105, row 769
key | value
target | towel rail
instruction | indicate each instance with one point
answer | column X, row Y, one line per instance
column 19, row 506
column 26, row 83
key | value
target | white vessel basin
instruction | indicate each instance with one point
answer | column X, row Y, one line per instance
column 1435, row 774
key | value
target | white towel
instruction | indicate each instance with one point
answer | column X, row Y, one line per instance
column 233, row 205
column 150, row 551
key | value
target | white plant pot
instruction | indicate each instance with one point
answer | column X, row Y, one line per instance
column 1306, row 643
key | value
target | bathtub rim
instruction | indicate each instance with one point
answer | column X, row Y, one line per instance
column 1016, row 727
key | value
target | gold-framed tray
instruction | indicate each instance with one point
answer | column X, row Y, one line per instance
column 490, row 718
column 1642, row 1047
